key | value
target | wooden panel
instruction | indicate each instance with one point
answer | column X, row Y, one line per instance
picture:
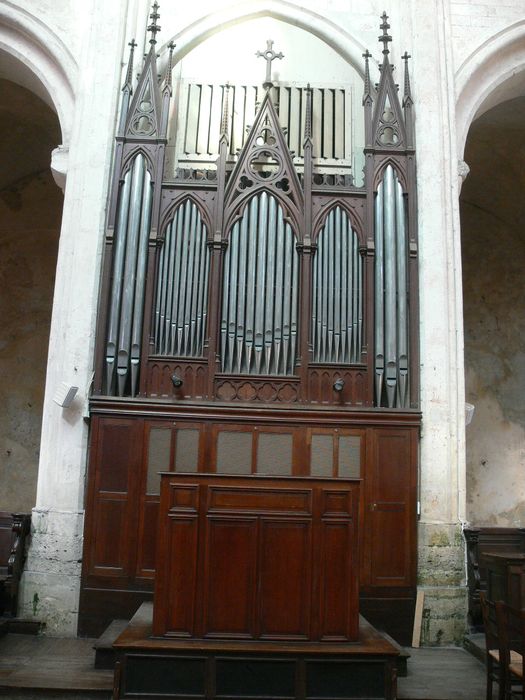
column 184, row 497
column 120, row 535
column 337, row 503
column 110, row 524
column 321, row 380
column 285, row 579
column 480, row 542
column 336, row 580
column 182, row 566
column 259, row 500
column 230, row 594
column 147, row 545
column 253, row 571
column 115, row 456
column 390, row 519
column 110, row 551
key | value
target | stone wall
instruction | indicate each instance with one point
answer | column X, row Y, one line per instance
column 493, row 243
column 30, row 213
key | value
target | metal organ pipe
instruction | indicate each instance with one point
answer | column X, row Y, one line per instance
column 391, row 307
column 379, row 297
column 130, row 264
column 116, row 289
column 182, row 279
column 389, row 227
column 337, row 292
column 260, row 289
column 402, row 297
column 140, row 285
column 129, row 275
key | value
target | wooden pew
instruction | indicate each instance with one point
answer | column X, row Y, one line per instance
column 14, row 529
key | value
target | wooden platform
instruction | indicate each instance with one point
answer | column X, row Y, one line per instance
column 210, row 669
column 30, row 664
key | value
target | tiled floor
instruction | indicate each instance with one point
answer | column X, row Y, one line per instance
column 43, row 667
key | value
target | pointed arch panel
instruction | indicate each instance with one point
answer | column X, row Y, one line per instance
column 126, row 309
column 337, row 292
column 260, row 292
column 391, row 294
column 181, row 300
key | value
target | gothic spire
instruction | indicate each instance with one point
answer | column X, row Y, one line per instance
column 128, row 84
column 154, row 28
column 147, row 117
column 308, row 115
column 367, row 94
column 169, row 66
column 385, row 37
column 388, row 123
column 225, row 115
column 407, row 93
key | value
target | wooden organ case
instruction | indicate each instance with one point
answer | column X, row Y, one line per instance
column 258, row 325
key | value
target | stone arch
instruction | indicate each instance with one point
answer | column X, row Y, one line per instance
column 493, row 73
column 347, row 46
column 48, row 68
column 490, row 90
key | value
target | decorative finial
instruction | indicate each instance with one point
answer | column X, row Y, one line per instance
column 167, row 78
column 308, row 115
column 407, row 93
column 367, row 55
column 129, row 73
column 154, row 28
column 225, row 107
column 385, row 37
column 269, row 55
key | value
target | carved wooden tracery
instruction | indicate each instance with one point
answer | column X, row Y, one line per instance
column 265, row 268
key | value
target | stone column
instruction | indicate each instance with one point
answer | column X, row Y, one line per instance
column 50, row 587
column 442, row 471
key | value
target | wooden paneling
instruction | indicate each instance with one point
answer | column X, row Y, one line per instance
column 230, row 579
column 285, row 603
column 335, row 614
column 109, row 545
column 121, row 536
column 147, row 539
column 257, row 558
column 182, row 583
column 480, row 542
column 389, row 538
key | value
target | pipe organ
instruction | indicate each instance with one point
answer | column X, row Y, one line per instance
column 181, row 301
column 260, row 283
column 258, row 316
column 337, row 292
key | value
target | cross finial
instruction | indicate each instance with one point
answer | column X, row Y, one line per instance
column 167, row 79
column 385, row 37
column 154, row 27
column 407, row 94
column 269, row 55
column 129, row 75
